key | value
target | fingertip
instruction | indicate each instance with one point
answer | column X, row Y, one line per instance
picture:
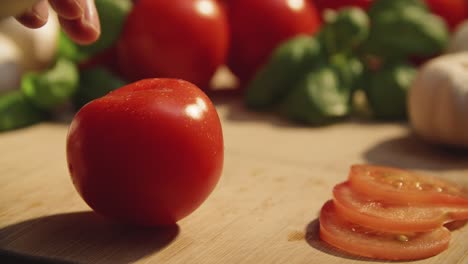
column 87, row 28
column 31, row 21
column 35, row 17
column 68, row 9
column 80, row 31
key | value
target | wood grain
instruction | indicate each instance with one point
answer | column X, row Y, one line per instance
column 264, row 209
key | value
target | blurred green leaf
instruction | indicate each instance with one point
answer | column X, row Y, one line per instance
column 49, row 89
column 320, row 97
column 16, row 111
column 344, row 30
column 387, row 89
column 94, row 83
column 405, row 30
column 289, row 61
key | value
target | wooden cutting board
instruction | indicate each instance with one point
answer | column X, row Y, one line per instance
column 264, row 209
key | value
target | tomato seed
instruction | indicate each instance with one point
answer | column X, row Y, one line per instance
column 402, row 238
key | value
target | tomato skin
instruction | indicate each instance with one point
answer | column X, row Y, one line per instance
column 397, row 186
column 258, row 26
column 380, row 216
column 184, row 39
column 148, row 153
column 361, row 241
column 453, row 11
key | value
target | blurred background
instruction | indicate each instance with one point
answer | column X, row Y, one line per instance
column 310, row 62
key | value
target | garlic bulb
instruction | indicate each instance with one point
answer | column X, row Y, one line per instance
column 438, row 100
column 38, row 46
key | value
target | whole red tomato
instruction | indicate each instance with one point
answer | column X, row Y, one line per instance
column 258, row 26
column 186, row 39
column 148, row 153
column 452, row 11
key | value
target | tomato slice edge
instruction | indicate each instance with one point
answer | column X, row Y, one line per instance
column 396, row 218
column 363, row 182
column 337, row 232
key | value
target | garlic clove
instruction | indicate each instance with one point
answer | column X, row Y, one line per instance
column 39, row 46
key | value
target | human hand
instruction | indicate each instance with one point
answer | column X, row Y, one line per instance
column 78, row 18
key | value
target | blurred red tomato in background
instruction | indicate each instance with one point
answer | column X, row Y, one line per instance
column 186, row 39
column 452, row 11
column 258, row 26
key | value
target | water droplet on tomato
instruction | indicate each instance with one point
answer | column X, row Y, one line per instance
column 397, row 184
column 418, row 186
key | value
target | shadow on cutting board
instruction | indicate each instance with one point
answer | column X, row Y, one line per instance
column 81, row 237
column 410, row 152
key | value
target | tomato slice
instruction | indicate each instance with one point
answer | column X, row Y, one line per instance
column 392, row 218
column 397, row 186
column 361, row 241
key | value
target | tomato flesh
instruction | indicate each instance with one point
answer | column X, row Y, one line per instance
column 392, row 218
column 396, row 186
column 366, row 242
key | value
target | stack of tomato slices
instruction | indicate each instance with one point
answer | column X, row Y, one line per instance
column 393, row 214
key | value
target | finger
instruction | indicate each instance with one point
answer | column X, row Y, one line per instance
column 86, row 29
column 68, row 9
column 36, row 16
